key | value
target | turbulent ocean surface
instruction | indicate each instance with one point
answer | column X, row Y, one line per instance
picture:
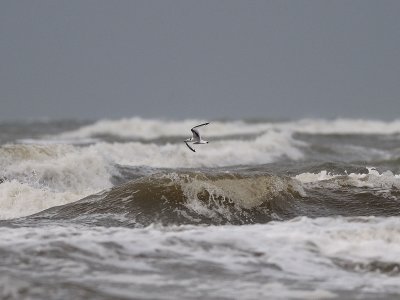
column 122, row 209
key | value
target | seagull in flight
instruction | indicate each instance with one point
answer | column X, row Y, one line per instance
column 196, row 138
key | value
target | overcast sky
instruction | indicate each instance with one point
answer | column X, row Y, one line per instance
column 205, row 59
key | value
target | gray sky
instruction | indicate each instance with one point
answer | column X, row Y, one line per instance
column 207, row 59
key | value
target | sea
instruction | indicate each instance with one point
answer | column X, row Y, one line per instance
column 122, row 209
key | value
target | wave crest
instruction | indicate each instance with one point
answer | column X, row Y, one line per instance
column 191, row 198
column 372, row 179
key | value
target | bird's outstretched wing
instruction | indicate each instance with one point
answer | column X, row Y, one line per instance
column 201, row 125
column 195, row 132
column 190, row 147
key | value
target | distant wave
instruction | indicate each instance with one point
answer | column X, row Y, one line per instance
column 148, row 129
column 269, row 147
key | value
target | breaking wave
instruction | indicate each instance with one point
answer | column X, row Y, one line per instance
column 36, row 177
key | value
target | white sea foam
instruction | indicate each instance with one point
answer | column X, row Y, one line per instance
column 372, row 179
column 37, row 177
column 152, row 128
column 20, row 199
column 58, row 167
column 301, row 258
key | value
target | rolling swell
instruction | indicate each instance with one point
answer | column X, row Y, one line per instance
column 188, row 198
column 217, row 198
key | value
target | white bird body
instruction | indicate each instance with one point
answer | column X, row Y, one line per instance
column 196, row 137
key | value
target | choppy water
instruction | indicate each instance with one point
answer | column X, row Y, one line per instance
column 121, row 209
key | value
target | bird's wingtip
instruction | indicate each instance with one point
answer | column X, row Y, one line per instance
column 190, row 147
